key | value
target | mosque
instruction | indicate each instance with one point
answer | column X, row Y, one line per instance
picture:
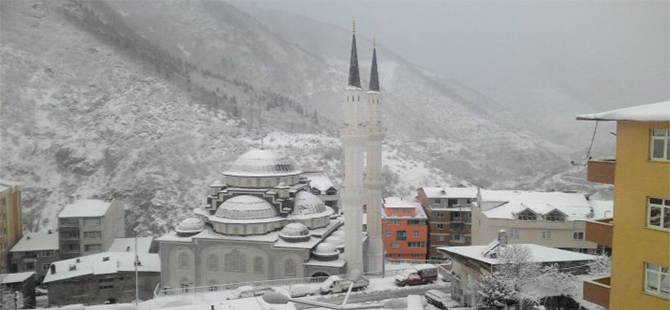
column 263, row 220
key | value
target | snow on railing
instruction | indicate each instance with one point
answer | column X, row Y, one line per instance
column 418, row 261
column 232, row 286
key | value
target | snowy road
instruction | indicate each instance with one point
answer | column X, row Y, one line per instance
column 377, row 293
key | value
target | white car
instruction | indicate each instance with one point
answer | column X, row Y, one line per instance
column 301, row 290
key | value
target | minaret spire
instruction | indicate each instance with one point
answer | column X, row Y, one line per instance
column 354, row 75
column 374, row 76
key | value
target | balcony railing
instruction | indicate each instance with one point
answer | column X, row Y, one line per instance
column 597, row 291
column 601, row 171
column 599, row 232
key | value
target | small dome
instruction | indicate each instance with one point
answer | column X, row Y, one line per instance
column 190, row 225
column 326, row 252
column 295, row 232
column 335, row 240
column 306, row 203
column 338, row 233
column 262, row 163
column 245, row 207
column 217, row 183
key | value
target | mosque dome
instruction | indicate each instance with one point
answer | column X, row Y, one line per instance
column 335, row 240
column 191, row 225
column 338, row 233
column 262, row 163
column 326, row 251
column 307, row 203
column 245, row 207
column 295, row 232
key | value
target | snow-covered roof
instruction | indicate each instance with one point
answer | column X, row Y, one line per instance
column 509, row 203
column 654, row 112
column 85, row 208
column 9, row 278
column 538, row 253
column 306, row 203
column 450, row 192
column 399, row 203
column 319, row 180
column 37, row 242
column 260, row 163
column 5, row 185
column 602, row 209
column 246, row 207
column 96, row 264
column 128, row 245
column 338, row 263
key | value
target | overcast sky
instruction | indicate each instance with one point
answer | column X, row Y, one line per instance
column 479, row 42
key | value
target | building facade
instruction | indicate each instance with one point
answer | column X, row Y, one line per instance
column 640, row 276
column 552, row 219
column 103, row 277
column 35, row 252
column 11, row 225
column 405, row 230
column 89, row 226
column 449, row 216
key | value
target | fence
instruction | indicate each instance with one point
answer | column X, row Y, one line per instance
column 231, row 286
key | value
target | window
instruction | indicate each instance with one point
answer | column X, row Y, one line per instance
column 93, row 234
column 289, row 267
column 235, row 261
column 439, row 214
column 415, row 245
column 212, row 262
column 546, row 234
column 69, row 235
column 526, row 215
column 456, row 216
column 92, row 221
column 440, row 226
column 658, row 213
column 183, row 260
column 657, row 280
column 440, row 238
column 394, row 245
column 452, row 202
column 414, row 222
column 45, row 267
column 555, row 216
column 389, row 233
column 401, row 235
column 416, row 256
column 104, row 284
column 92, row 247
column 393, row 222
column 416, row 234
column 438, row 200
column 660, row 145
column 45, row 253
column 30, row 265
column 513, row 234
column 578, row 235
column 456, row 238
column 258, row 265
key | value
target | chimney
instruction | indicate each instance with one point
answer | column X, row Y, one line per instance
column 105, row 258
column 78, row 260
column 502, row 238
column 73, row 267
column 52, row 267
column 50, row 231
column 128, row 249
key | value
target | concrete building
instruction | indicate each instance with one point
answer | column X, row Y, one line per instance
column 35, row 252
column 102, row 277
column 405, row 229
column 552, row 219
column 89, row 226
column 471, row 263
column 21, row 289
column 640, row 230
column 11, row 225
column 449, row 219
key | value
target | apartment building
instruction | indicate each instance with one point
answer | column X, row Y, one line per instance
column 404, row 228
column 89, row 226
column 640, row 229
column 35, row 252
column 448, row 211
column 11, row 226
column 553, row 219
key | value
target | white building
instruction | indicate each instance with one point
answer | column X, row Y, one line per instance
column 89, row 226
column 553, row 219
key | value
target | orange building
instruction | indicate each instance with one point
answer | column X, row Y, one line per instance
column 405, row 229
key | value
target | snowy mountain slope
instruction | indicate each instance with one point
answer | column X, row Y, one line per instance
column 99, row 104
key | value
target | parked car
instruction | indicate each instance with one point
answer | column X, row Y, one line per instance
column 249, row 291
column 301, row 290
column 335, row 284
column 419, row 274
column 440, row 299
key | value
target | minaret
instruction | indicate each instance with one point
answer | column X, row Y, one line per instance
column 354, row 136
column 374, row 180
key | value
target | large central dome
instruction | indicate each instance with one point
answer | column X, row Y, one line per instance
column 245, row 207
column 262, row 163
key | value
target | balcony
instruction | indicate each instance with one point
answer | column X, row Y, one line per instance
column 599, row 232
column 601, row 171
column 597, row 291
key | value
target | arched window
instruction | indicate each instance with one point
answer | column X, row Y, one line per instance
column 183, row 260
column 258, row 265
column 236, row 261
column 289, row 267
column 213, row 262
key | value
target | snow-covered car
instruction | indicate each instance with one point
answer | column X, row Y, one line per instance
column 335, row 284
column 440, row 299
column 419, row 274
column 301, row 290
column 249, row 291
